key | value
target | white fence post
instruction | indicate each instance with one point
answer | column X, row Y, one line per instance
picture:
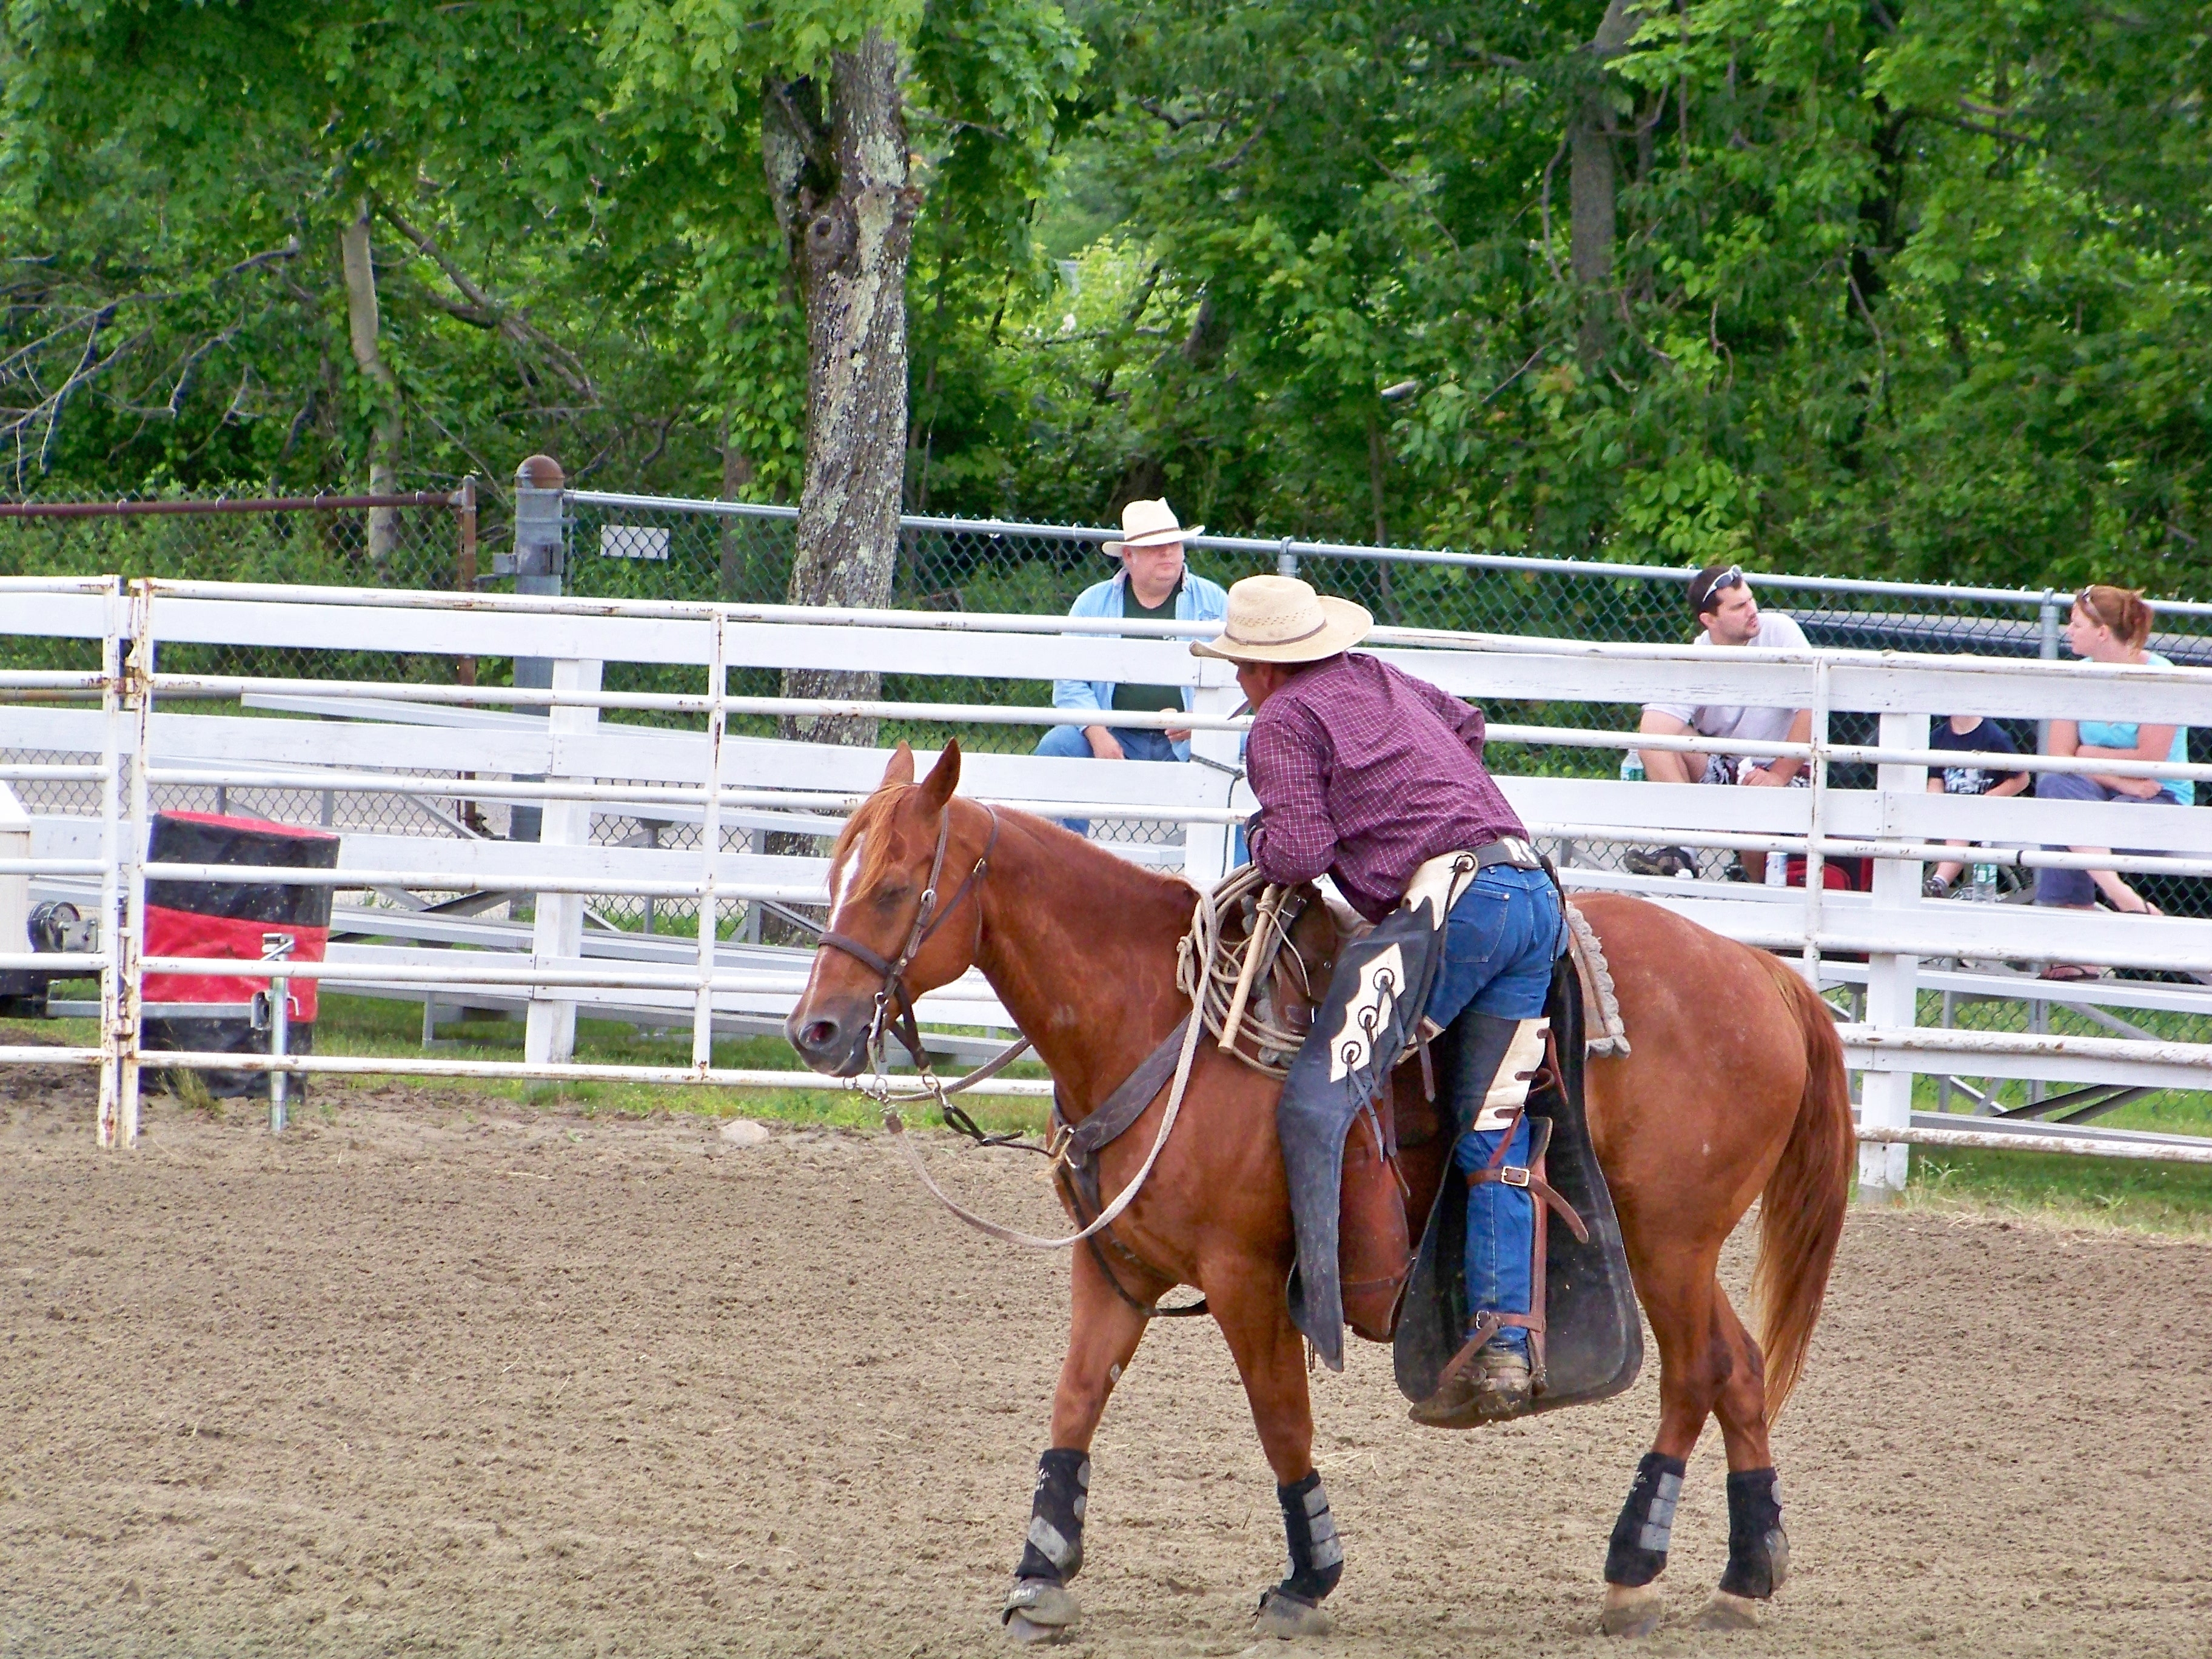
column 119, row 608
column 1893, row 981
column 550, row 1034
column 1206, row 853
column 710, row 844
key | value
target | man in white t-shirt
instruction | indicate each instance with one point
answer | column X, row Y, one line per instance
column 1721, row 598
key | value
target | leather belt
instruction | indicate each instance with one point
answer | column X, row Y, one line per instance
column 1508, row 849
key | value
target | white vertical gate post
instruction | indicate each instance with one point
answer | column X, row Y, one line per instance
column 549, row 1035
column 1893, row 987
column 110, row 919
column 1207, row 847
column 710, row 843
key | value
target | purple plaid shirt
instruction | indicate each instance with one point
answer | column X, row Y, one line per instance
column 1366, row 774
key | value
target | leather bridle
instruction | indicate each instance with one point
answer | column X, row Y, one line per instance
column 894, row 1009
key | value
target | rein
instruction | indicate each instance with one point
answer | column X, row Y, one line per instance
column 1198, row 944
column 1197, row 976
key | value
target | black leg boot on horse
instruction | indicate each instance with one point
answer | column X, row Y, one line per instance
column 1039, row 1608
column 1293, row 1607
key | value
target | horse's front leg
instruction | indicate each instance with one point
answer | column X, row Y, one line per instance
column 1271, row 1358
column 1103, row 1337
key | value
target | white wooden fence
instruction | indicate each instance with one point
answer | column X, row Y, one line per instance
column 418, row 739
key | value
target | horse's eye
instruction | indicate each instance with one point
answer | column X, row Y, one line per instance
column 891, row 895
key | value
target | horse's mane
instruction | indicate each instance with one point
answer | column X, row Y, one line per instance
column 1139, row 883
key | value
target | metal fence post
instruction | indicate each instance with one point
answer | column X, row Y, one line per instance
column 540, row 560
column 280, row 1044
column 1286, row 562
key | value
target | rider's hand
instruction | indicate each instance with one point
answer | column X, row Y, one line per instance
column 1103, row 745
column 1760, row 777
column 1176, row 733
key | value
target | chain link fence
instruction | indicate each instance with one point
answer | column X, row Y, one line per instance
column 630, row 547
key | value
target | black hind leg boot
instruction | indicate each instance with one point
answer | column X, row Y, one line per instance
column 1052, row 1550
column 1758, row 1550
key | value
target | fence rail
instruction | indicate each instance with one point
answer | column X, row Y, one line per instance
column 608, row 790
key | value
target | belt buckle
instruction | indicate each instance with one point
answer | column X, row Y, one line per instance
column 1514, row 1174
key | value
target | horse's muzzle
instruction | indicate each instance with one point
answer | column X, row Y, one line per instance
column 831, row 1037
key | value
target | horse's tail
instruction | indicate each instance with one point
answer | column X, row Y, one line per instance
column 1800, row 1214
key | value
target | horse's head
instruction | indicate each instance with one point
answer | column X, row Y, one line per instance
column 904, row 911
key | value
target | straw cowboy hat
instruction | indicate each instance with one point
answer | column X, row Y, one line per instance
column 1149, row 523
column 1281, row 619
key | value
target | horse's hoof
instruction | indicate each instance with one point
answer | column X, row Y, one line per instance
column 1019, row 1629
column 1630, row 1610
column 1038, row 1610
column 1288, row 1617
column 1727, row 1612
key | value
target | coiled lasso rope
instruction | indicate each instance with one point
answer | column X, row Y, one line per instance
column 1221, row 990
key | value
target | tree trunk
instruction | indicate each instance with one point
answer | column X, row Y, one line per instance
column 839, row 181
column 1590, row 183
column 361, row 327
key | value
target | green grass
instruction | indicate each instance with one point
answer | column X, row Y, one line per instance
column 374, row 1027
column 2085, row 1191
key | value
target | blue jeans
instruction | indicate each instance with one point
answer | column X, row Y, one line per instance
column 2074, row 887
column 1500, row 944
column 1068, row 743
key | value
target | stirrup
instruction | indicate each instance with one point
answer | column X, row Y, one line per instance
column 1482, row 1384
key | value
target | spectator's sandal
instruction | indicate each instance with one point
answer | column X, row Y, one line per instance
column 2067, row 972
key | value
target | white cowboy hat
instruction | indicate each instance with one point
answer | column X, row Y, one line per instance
column 1149, row 523
column 1281, row 619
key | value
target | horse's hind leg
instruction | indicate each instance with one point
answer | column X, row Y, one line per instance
column 1103, row 1337
column 1758, row 1550
column 1695, row 1366
column 1271, row 1359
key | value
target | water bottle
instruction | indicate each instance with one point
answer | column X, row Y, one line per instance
column 1985, row 883
column 1632, row 767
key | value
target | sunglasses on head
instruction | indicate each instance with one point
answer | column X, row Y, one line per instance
column 1728, row 578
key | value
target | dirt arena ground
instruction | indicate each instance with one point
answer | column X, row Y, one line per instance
column 434, row 1376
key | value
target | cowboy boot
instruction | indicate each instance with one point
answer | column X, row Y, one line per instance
column 1486, row 1381
column 1492, row 1062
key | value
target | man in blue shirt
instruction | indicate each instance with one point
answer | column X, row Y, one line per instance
column 1153, row 585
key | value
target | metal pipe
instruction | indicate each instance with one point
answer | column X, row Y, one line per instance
column 2000, row 1140
column 280, row 1033
column 124, row 509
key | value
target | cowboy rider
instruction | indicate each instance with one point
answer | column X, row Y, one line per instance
column 1364, row 774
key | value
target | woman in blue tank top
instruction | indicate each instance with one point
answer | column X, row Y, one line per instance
column 2108, row 624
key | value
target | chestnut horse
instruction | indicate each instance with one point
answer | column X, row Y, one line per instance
column 1734, row 1090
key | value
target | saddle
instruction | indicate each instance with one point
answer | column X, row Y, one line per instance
column 1396, row 1174
column 1586, row 1341
column 1395, row 1164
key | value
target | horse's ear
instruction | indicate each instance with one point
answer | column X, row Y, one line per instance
column 944, row 777
column 901, row 769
